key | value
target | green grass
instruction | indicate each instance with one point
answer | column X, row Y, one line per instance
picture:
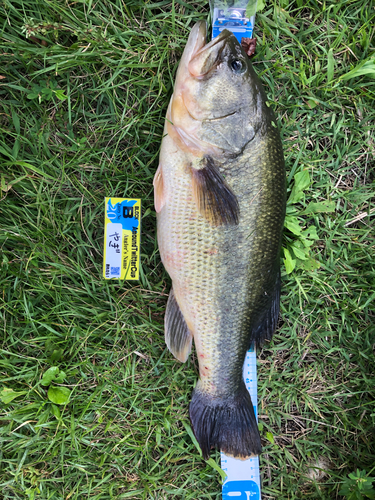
column 82, row 105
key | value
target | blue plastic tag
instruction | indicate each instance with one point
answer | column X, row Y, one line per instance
column 237, row 16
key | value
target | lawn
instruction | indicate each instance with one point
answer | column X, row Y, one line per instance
column 84, row 88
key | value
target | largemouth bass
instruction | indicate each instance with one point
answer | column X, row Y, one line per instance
column 220, row 203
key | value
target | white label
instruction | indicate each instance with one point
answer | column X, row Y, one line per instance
column 113, row 254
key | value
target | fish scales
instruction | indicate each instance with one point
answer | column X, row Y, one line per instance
column 225, row 276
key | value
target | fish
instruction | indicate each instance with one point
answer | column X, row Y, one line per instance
column 220, row 197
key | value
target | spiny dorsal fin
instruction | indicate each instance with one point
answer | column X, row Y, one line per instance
column 214, row 198
column 177, row 335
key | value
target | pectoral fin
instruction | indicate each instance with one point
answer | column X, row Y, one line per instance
column 177, row 335
column 214, row 198
column 159, row 193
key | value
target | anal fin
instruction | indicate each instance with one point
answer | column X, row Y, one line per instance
column 177, row 334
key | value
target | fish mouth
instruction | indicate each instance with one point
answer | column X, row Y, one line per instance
column 204, row 56
column 199, row 35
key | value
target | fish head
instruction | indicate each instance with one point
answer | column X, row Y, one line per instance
column 216, row 108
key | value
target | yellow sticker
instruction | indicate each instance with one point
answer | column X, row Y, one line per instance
column 122, row 238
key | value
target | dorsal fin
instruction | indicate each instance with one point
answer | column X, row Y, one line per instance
column 214, row 198
column 267, row 321
column 177, row 335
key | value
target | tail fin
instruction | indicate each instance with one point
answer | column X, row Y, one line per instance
column 226, row 423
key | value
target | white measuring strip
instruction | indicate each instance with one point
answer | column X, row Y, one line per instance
column 243, row 479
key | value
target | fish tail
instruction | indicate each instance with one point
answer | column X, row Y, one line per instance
column 226, row 423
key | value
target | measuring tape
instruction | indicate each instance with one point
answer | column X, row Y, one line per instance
column 243, row 478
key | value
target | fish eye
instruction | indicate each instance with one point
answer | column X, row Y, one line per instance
column 238, row 66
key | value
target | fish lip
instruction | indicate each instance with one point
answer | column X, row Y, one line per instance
column 201, row 28
column 200, row 32
column 223, row 36
column 200, row 51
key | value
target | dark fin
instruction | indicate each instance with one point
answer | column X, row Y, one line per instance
column 177, row 335
column 226, row 424
column 214, row 198
column 266, row 325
